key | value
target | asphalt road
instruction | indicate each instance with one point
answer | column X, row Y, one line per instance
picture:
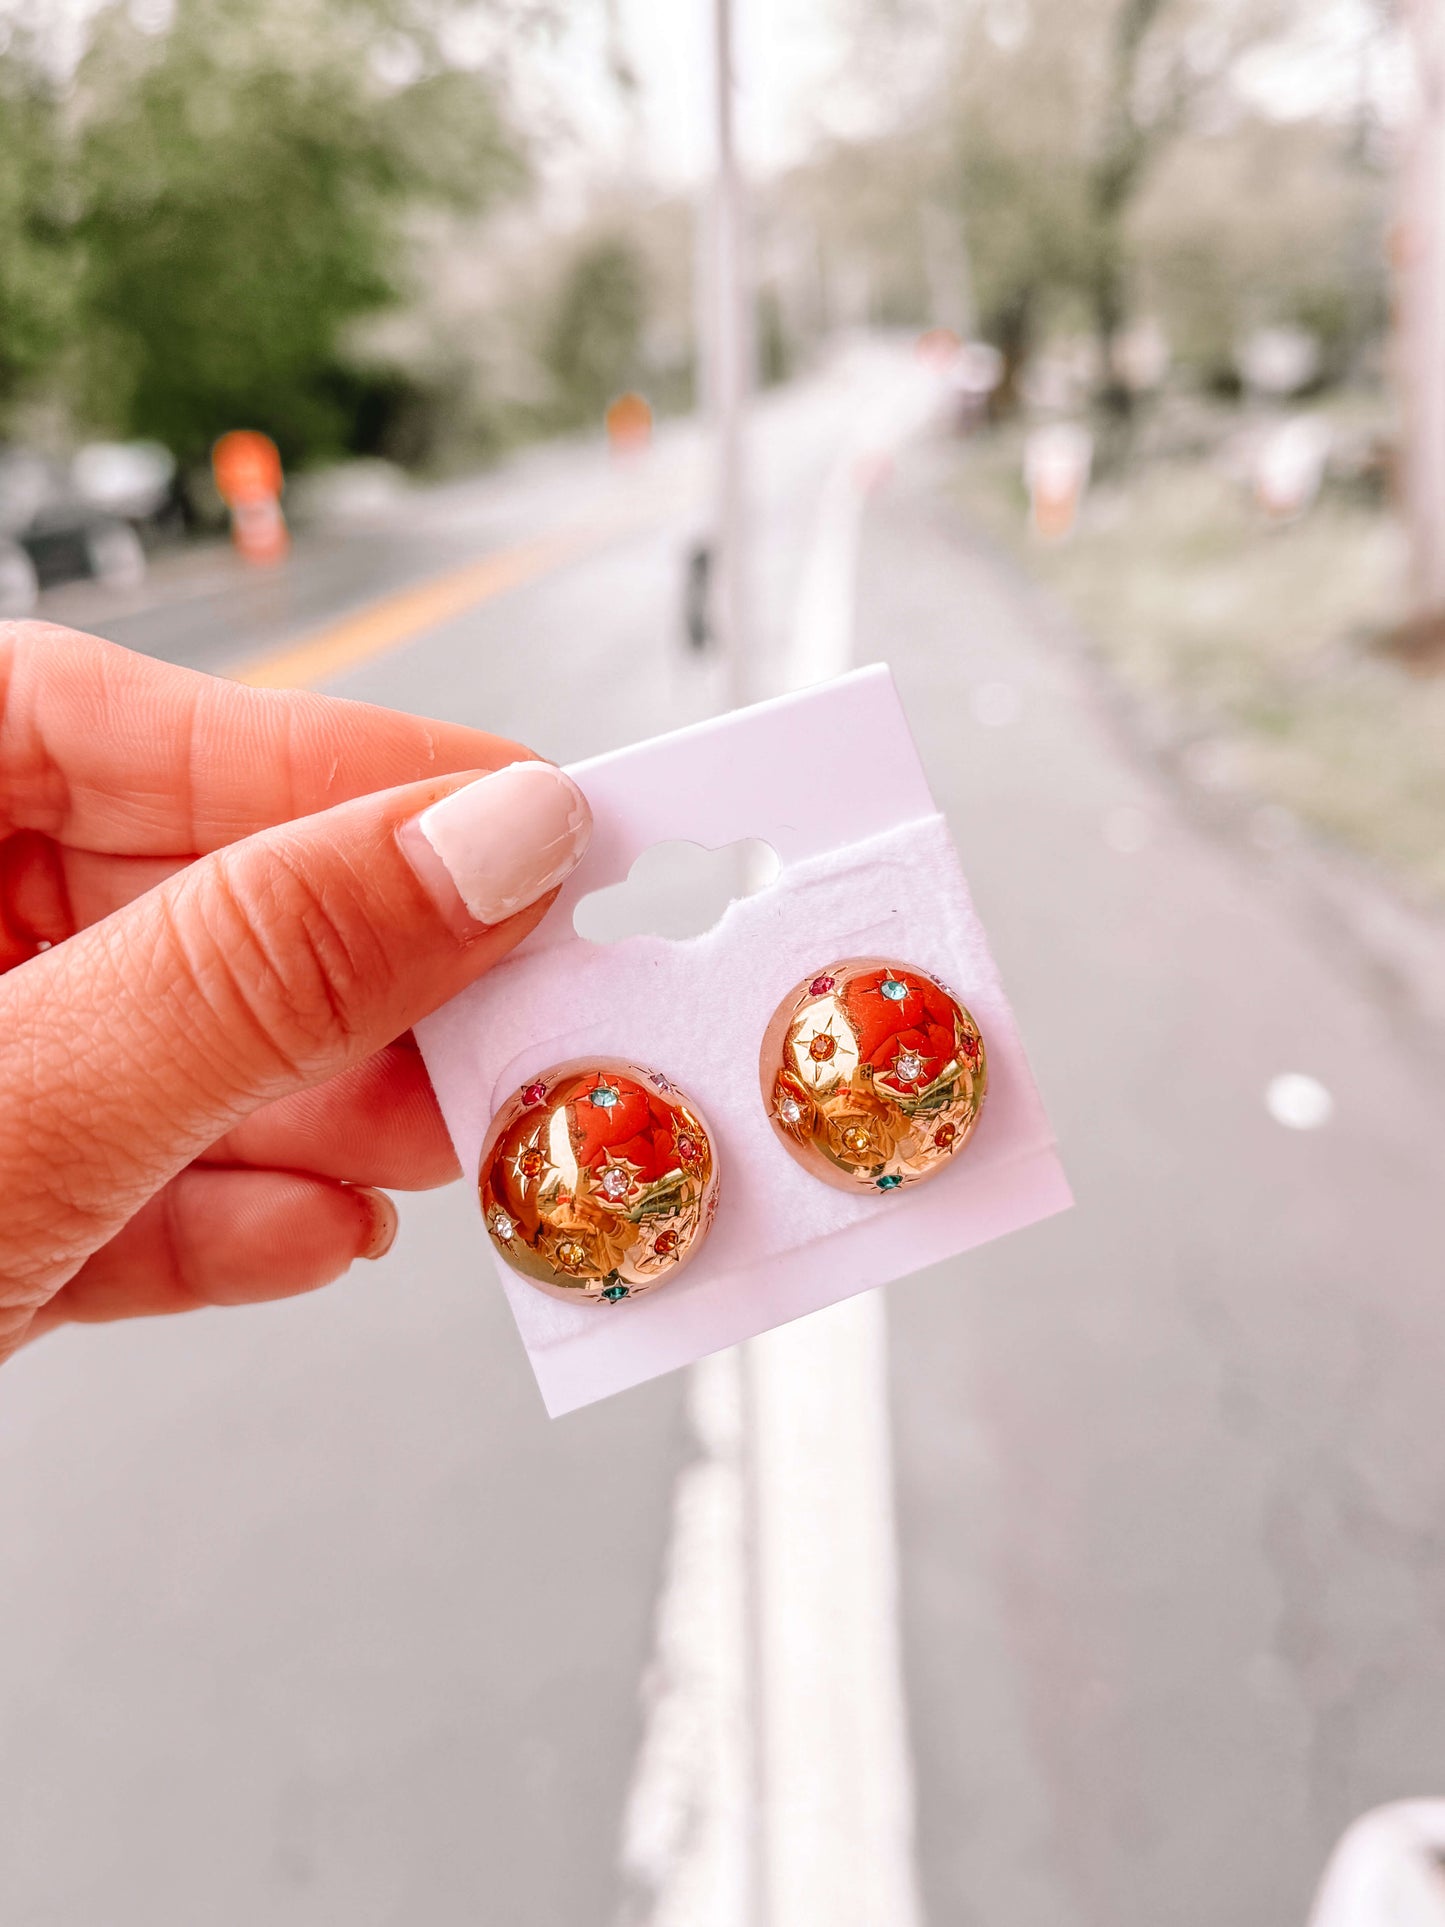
column 309, row 1615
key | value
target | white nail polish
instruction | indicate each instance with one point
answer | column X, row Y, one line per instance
column 509, row 838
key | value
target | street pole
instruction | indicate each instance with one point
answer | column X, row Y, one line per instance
column 731, row 337
column 1421, row 293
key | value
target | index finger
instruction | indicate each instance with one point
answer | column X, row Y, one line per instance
column 105, row 750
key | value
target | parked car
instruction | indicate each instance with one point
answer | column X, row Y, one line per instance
column 19, row 584
column 64, row 522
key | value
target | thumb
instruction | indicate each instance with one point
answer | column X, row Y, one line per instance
column 268, row 966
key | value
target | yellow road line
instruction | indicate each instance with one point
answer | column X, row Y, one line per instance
column 382, row 625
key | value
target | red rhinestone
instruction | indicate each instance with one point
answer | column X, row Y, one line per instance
column 821, row 1048
column 944, row 1136
column 534, row 1093
column 666, row 1244
column 686, row 1149
column 530, row 1163
column 820, row 986
column 969, row 1047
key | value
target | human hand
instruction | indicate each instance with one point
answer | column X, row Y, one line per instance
column 221, row 909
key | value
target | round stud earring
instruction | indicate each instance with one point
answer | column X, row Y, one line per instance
column 598, row 1181
column 874, row 1075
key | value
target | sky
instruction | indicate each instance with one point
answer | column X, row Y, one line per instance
column 788, row 59
column 787, row 52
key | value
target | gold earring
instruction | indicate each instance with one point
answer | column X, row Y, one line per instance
column 873, row 1073
column 598, row 1180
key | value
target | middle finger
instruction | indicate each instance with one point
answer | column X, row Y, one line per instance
column 377, row 1123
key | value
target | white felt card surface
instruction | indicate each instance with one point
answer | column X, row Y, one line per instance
column 867, row 868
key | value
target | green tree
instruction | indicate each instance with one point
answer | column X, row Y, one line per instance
column 593, row 345
column 233, row 194
column 38, row 260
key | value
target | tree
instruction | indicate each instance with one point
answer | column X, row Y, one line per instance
column 593, row 345
column 232, row 196
column 1061, row 119
column 1128, row 139
column 1265, row 222
column 37, row 257
column 1421, row 278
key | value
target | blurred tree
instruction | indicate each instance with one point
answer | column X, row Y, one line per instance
column 1259, row 224
column 775, row 350
column 1132, row 128
column 1420, row 279
column 1097, row 163
column 593, row 344
column 1062, row 112
column 232, row 194
column 38, row 259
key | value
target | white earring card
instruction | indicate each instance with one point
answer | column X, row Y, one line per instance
column 831, row 779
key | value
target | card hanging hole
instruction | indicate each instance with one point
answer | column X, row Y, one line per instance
column 676, row 890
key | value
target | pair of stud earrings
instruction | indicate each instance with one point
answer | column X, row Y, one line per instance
column 599, row 1179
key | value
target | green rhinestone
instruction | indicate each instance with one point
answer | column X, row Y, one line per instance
column 614, row 1292
column 889, row 1183
column 894, row 991
column 604, row 1097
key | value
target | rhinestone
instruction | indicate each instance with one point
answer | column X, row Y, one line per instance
column 614, row 1292
column 659, row 1080
column 907, row 1066
column 820, row 986
column 856, row 1140
column 969, row 1048
column 571, row 1254
column 502, row 1226
column 821, row 1048
column 890, row 1182
column 790, row 1111
column 534, row 1093
column 687, row 1149
column 530, row 1162
column 604, row 1097
column 665, row 1244
column 615, row 1183
column 894, row 991
column 944, row 1136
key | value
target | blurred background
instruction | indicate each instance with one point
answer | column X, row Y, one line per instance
column 576, row 370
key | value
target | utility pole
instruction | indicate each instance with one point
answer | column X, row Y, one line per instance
column 1421, row 294
column 730, row 336
column 728, row 331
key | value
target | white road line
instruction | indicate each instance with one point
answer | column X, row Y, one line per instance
column 837, row 1787
column 836, row 1783
column 822, row 639
column 893, row 410
column 774, row 1786
column 687, row 1856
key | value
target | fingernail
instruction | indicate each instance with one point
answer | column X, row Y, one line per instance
column 383, row 1221
column 501, row 842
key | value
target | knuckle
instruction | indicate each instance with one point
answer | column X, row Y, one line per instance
column 281, row 952
column 33, row 789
